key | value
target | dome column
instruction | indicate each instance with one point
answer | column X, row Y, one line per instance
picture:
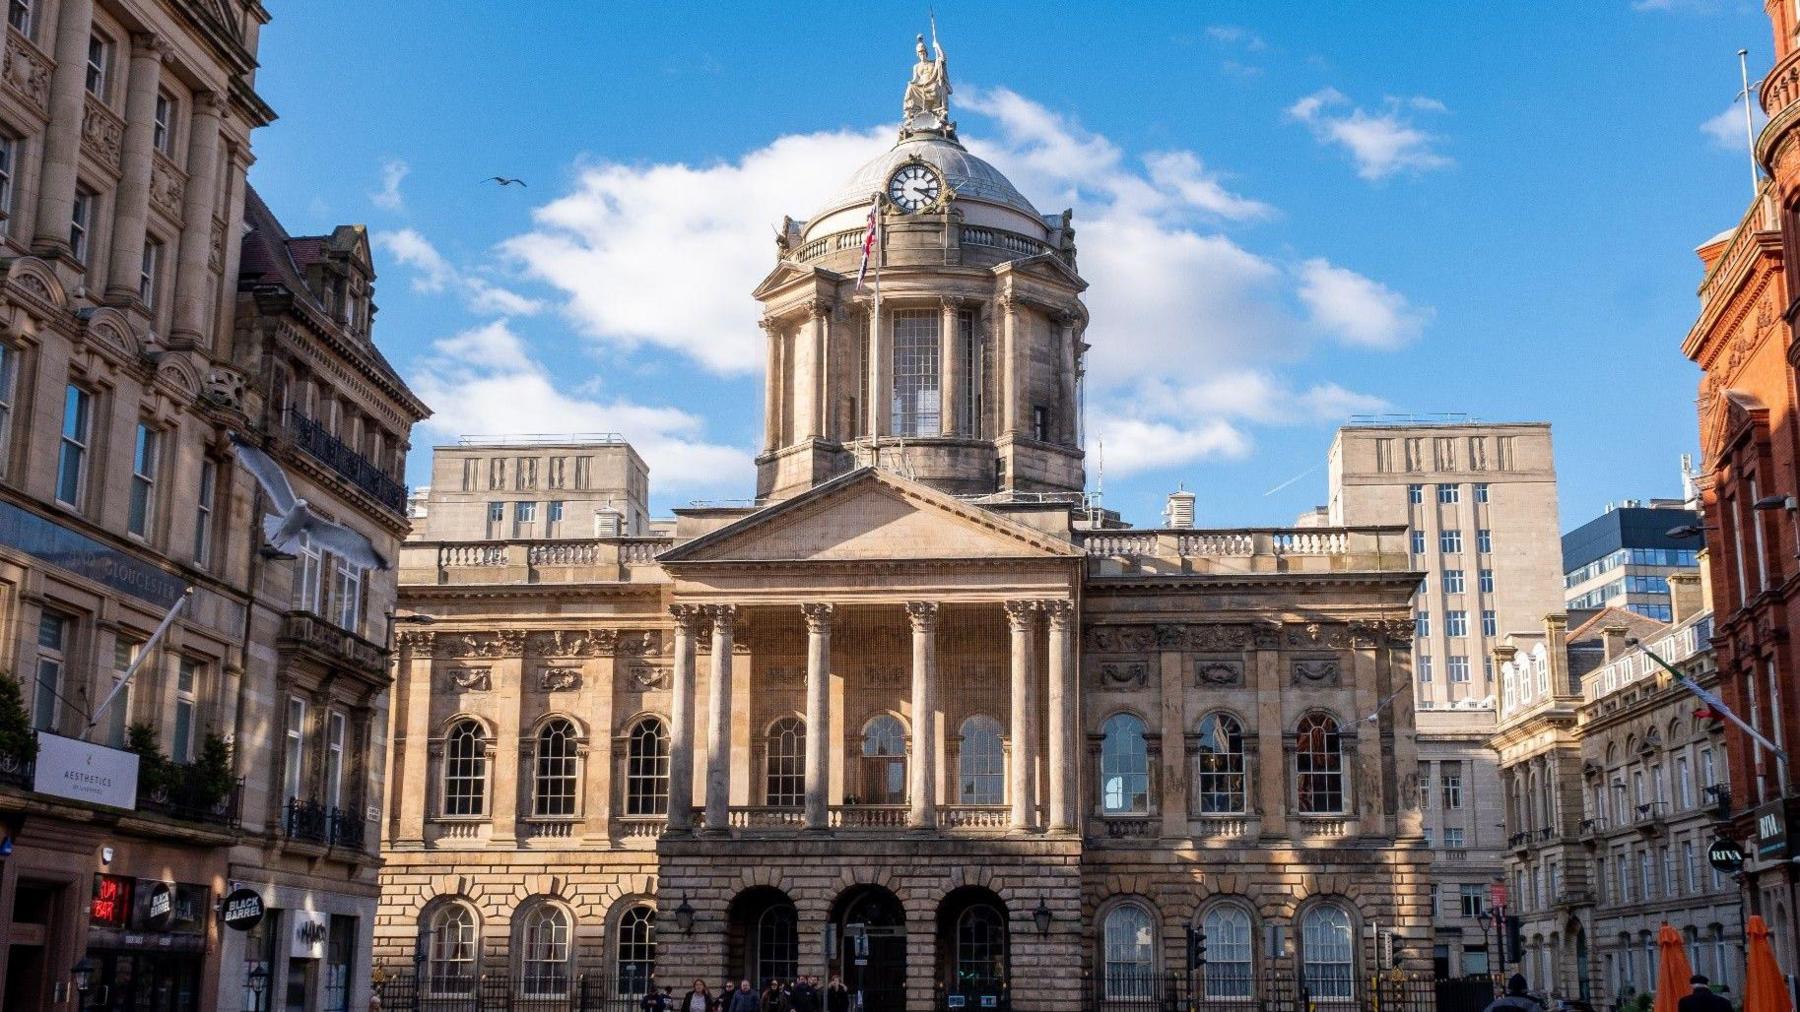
column 953, row 375
column 772, row 387
column 1009, row 365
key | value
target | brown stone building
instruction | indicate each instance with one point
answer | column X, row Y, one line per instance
column 918, row 716
column 132, row 346
column 1744, row 341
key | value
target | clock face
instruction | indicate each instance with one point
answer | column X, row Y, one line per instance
column 913, row 187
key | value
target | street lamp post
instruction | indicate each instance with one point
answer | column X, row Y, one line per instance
column 259, row 982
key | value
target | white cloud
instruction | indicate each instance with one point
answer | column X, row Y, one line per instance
column 662, row 257
column 1355, row 309
column 1237, row 35
column 1382, row 143
column 666, row 255
column 1726, row 130
column 393, row 172
column 434, row 274
column 484, row 380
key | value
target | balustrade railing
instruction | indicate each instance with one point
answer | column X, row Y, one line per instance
column 1221, row 544
column 975, row 816
column 350, row 465
column 1226, row 826
column 766, row 816
column 1012, row 242
column 481, row 553
column 1329, row 827
column 868, row 816
column 563, row 553
column 640, row 826
column 550, row 829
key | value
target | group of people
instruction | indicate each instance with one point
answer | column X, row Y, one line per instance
column 803, row 994
column 1702, row 999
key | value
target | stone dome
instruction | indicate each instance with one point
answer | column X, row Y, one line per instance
column 969, row 176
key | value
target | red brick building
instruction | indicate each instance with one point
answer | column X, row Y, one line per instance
column 1744, row 340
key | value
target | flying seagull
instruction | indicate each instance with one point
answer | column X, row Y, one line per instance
column 503, row 180
column 1376, row 716
column 293, row 525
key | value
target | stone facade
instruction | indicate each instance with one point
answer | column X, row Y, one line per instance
column 916, row 716
column 1479, row 502
column 151, row 309
column 525, row 488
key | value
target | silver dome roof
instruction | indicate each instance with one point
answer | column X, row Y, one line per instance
column 969, row 176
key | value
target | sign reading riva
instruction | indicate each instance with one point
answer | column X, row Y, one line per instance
column 1772, row 831
column 1726, row 856
column 83, row 771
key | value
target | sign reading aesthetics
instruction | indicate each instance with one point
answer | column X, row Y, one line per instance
column 82, row 771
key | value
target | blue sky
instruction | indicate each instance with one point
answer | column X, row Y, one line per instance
column 1287, row 218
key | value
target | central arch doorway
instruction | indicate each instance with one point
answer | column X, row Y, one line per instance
column 974, row 950
column 867, row 945
column 762, row 936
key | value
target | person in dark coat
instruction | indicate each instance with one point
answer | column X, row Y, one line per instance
column 804, row 995
column 744, row 999
column 1703, row 998
column 837, row 996
column 775, row 997
column 699, row 999
column 1515, row 999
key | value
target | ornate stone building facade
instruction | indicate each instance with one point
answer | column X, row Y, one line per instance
column 150, row 309
column 916, row 717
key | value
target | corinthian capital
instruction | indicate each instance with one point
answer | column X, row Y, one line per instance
column 923, row 615
column 1057, row 612
column 818, row 617
column 724, row 616
column 1021, row 614
column 687, row 616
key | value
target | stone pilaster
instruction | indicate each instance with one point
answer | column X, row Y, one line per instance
column 1060, row 710
column 62, row 138
column 193, row 266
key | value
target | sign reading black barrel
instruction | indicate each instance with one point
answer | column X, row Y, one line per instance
column 243, row 909
column 1726, row 856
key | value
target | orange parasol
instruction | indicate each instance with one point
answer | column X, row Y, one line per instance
column 1764, row 988
column 1672, row 970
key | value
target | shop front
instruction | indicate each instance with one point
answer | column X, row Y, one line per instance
column 306, row 952
column 146, row 945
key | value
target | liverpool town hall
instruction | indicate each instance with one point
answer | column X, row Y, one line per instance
column 919, row 714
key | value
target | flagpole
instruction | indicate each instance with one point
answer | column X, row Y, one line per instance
column 1749, row 123
column 1714, row 702
column 875, row 336
column 146, row 650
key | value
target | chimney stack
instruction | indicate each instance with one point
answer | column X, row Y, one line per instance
column 1684, row 595
column 1612, row 639
column 1180, row 509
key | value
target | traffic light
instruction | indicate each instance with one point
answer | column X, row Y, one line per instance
column 1515, row 937
column 1196, row 940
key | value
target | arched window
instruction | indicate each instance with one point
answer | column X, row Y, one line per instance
column 787, row 764
column 981, row 764
column 777, row 943
column 884, row 761
column 1128, row 952
column 647, row 769
column 1220, row 777
column 465, row 770
column 1229, row 959
column 1328, row 951
column 980, row 948
column 1124, row 766
column 553, row 786
column 544, row 952
column 635, row 958
column 1319, row 765
column 450, row 955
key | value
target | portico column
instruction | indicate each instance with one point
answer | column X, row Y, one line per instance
column 1021, row 616
column 718, row 718
column 133, row 201
column 818, row 717
column 62, row 138
column 193, row 264
column 923, row 769
column 1061, row 711
column 681, row 716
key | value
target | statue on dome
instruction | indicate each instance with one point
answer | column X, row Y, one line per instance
column 929, row 89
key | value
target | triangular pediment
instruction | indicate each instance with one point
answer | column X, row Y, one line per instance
column 870, row 515
column 1049, row 266
column 787, row 273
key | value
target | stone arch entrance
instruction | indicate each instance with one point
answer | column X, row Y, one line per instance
column 762, row 936
column 974, row 948
column 1583, row 984
column 866, row 943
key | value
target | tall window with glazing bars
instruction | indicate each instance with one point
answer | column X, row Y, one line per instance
column 916, row 402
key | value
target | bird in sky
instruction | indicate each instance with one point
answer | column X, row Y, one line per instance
column 294, row 525
column 503, row 180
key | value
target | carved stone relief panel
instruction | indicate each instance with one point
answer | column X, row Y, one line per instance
column 1121, row 673
column 1318, row 672
column 559, row 679
column 469, row 679
column 1218, row 673
column 640, row 676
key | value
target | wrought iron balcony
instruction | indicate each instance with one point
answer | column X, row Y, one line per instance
column 311, row 822
column 350, row 465
column 17, row 772
column 180, row 800
column 306, row 631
